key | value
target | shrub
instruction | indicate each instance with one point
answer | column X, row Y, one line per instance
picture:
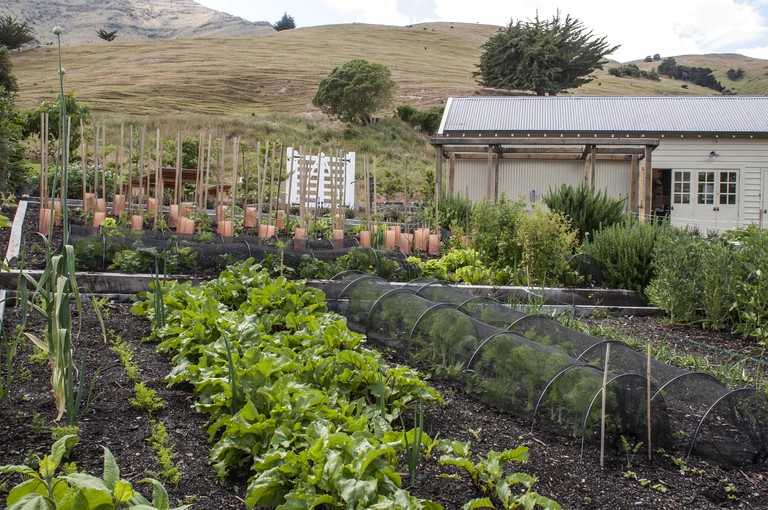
column 546, row 240
column 493, row 232
column 588, row 210
column 750, row 294
column 624, row 253
column 716, row 289
column 677, row 258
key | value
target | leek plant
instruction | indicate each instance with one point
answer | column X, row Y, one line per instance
column 57, row 286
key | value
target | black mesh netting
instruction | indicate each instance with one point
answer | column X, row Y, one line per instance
column 532, row 366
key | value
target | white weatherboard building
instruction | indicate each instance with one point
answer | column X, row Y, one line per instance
column 698, row 160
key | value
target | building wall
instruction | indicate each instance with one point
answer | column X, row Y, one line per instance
column 518, row 178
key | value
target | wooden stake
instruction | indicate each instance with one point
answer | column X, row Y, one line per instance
column 207, row 174
column 158, row 178
column 176, row 183
column 271, row 183
column 233, row 191
column 602, row 412
column 96, row 167
column 367, row 193
column 648, row 399
column 83, row 160
column 104, row 162
column 141, row 169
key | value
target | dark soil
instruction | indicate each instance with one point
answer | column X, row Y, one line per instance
column 111, row 421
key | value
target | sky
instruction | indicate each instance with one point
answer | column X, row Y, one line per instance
column 666, row 27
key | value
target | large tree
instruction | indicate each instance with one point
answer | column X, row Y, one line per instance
column 285, row 23
column 7, row 79
column 544, row 56
column 14, row 34
column 355, row 90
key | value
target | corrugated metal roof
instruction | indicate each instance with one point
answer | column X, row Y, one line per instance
column 647, row 115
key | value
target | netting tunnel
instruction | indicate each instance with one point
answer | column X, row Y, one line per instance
column 530, row 365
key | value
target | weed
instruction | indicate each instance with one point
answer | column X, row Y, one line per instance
column 38, row 425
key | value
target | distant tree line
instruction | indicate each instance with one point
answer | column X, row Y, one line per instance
column 634, row 71
column 697, row 75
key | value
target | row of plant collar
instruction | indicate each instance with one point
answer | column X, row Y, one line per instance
column 296, row 399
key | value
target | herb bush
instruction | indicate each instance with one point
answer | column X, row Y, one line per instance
column 587, row 210
column 624, row 253
column 677, row 258
column 750, row 292
column 546, row 241
column 493, row 232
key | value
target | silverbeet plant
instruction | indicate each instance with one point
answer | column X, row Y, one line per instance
column 311, row 410
column 45, row 488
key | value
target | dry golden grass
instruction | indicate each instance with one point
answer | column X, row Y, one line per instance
column 279, row 73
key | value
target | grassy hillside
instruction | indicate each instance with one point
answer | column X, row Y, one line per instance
column 279, row 73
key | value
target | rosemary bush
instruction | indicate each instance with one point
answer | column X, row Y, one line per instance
column 588, row 210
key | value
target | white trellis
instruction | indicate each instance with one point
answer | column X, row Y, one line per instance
column 322, row 172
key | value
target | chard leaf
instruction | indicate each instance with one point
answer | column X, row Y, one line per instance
column 111, row 470
column 357, row 493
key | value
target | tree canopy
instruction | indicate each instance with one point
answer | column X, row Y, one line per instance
column 107, row 36
column 7, row 79
column 285, row 23
column 355, row 90
column 544, row 56
column 13, row 34
column 77, row 112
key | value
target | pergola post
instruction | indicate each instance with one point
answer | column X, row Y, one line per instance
column 438, row 185
column 648, row 189
column 489, row 174
column 634, row 183
column 451, row 173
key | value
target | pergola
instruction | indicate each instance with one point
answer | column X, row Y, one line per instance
column 589, row 149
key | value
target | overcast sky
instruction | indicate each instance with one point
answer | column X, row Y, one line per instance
column 667, row 27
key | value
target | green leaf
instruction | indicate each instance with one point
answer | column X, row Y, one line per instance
column 111, row 471
column 29, row 502
column 357, row 493
column 86, row 481
column 61, row 448
column 478, row 503
column 267, row 489
column 122, row 492
column 159, row 494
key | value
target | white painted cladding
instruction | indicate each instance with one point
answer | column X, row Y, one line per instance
column 518, row 178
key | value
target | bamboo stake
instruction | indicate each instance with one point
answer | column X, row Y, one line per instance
column 220, row 177
column 271, row 183
column 603, row 398
column 259, row 185
column 120, row 160
column 129, row 190
column 83, row 160
column 178, row 172
column 104, row 162
column 96, row 167
column 43, row 159
column 289, row 179
column 405, row 193
column 263, row 182
column 233, row 191
column 648, row 400
column 141, row 168
column 375, row 187
column 279, row 177
column 207, row 174
column 199, row 174
column 158, row 178
column 367, row 193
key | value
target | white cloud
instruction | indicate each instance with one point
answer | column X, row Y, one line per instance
column 383, row 12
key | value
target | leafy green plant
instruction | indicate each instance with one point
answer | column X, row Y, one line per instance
column 588, row 210
column 57, row 432
column 125, row 352
column 624, row 253
column 676, row 263
column 546, row 241
column 493, row 232
column 166, row 457
column 630, row 450
column 750, row 304
column 414, row 445
column 44, row 489
column 489, row 478
column 146, row 399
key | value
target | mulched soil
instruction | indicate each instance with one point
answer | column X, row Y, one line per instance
column 111, row 421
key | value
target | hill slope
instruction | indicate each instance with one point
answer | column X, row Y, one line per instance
column 133, row 19
column 279, row 73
